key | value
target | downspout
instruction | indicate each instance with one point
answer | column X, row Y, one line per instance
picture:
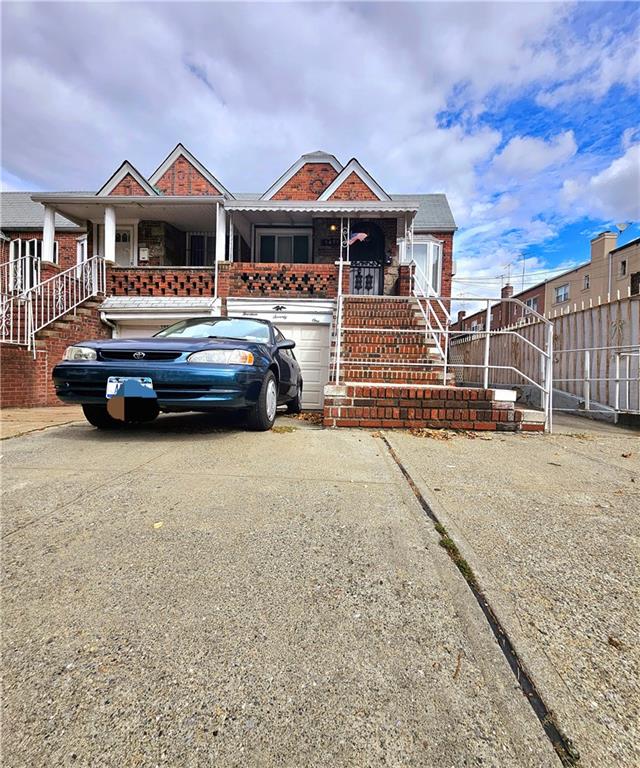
column 113, row 326
column 215, row 260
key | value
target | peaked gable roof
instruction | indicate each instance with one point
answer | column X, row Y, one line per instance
column 311, row 157
column 126, row 169
column 354, row 167
column 181, row 151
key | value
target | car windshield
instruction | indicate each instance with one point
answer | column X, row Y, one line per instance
column 218, row 327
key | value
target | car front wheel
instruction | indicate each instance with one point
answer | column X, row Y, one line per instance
column 263, row 414
column 100, row 417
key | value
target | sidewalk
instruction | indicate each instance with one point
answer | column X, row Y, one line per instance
column 20, row 421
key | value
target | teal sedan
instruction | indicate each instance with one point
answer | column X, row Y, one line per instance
column 202, row 364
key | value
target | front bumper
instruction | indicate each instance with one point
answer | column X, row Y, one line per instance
column 178, row 386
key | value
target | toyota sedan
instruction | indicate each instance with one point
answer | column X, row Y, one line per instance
column 202, row 364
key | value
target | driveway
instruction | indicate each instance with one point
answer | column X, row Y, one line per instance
column 187, row 595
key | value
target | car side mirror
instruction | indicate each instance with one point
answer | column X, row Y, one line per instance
column 286, row 344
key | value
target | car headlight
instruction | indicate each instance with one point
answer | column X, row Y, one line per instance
column 222, row 356
column 79, row 353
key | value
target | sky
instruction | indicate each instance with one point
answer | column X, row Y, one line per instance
column 525, row 114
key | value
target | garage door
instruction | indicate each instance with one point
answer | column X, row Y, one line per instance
column 312, row 352
column 138, row 331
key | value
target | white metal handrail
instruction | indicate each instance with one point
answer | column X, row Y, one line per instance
column 448, row 339
column 19, row 274
column 23, row 315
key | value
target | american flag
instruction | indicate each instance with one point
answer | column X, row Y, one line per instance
column 357, row 237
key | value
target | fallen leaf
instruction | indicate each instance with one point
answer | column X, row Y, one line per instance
column 613, row 641
column 159, row 524
column 627, row 455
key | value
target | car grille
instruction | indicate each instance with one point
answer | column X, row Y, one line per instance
column 113, row 354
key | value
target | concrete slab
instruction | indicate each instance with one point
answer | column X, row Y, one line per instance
column 239, row 599
column 551, row 529
column 20, row 421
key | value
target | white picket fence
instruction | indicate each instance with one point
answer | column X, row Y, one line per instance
column 596, row 355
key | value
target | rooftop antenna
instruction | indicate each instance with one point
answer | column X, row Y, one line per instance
column 622, row 226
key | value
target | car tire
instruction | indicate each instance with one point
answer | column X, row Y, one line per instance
column 295, row 405
column 99, row 417
column 262, row 415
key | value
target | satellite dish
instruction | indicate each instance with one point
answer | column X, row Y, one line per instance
column 621, row 227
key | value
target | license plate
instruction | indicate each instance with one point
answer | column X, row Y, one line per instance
column 114, row 382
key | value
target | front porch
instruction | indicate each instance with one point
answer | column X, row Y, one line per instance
column 211, row 246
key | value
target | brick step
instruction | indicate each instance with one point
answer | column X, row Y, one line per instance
column 395, row 376
column 415, row 406
column 417, row 336
column 387, row 349
column 366, row 321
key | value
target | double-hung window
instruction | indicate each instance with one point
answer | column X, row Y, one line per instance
column 562, row 293
column 532, row 304
column 283, row 246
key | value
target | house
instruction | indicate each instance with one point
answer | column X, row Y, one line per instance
column 612, row 272
column 324, row 245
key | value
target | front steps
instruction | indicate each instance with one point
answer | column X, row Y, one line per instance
column 392, row 376
column 417, row 406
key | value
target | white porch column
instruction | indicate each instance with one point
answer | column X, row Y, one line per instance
column 221, row 232
column 48, row 234
column 231, row 237
column 110, row 233
column 96, row 244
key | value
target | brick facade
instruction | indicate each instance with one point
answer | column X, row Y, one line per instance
column 128, row 186
column 67, row 242
column 182, row 178
column 25, row 382
column 308, row 183
column 353, row 188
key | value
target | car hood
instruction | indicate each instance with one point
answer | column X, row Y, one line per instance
column 174, row 344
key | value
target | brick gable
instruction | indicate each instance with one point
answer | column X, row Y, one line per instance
column 308, row 183
column 128, row 186
column 181, row 178
column 353, row 188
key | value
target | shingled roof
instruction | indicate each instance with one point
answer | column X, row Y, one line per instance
column 19, row 212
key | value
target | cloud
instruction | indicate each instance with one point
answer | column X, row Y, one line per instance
column 412, row 89
column 524, row 155
column 613, row 194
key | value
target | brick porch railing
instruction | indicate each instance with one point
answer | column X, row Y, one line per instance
column 234, row 279
column 283, row 280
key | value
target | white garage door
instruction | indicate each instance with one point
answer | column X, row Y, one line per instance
column 312, row 352
column 138, row 331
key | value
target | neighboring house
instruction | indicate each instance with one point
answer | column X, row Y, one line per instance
column 178, row 243
column 611, row 273
column 21, row 225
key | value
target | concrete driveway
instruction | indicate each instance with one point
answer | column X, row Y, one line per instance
column 187, row 595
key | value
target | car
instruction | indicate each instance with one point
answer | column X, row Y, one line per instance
column 200, row 364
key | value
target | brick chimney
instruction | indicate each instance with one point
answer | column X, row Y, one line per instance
column 461, row 315
column 602, row 244
column 507, row 308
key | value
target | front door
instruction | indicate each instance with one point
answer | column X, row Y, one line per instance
column 367, row 258
column 124, row 246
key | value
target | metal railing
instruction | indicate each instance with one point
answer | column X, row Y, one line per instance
column 24, row 314
column 465, row 353
column 604, row 378
column 18, row 275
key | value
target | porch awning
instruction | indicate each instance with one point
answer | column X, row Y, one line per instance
column 369, row 208
column 187, row 212
column 120, row 308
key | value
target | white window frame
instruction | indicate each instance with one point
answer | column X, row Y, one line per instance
column 557, row 299
column 32, row 247
column 283, row 232
column 586, row 282
column 435, row 249
column 531, row 305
